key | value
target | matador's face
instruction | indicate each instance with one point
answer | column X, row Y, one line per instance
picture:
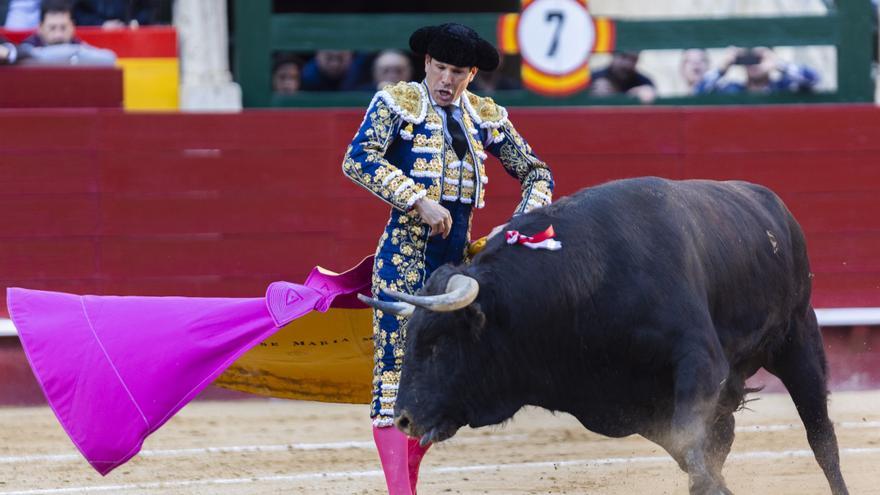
column 446, row 82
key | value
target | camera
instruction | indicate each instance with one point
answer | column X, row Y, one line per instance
column 747, row 58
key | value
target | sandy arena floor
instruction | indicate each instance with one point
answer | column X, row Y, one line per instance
column 269, row 447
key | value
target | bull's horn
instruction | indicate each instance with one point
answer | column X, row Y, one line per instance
column 461, row 290
column 394, row 308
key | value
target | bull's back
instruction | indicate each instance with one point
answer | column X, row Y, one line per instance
column 751, row 251
column 710, row 223
column 730, row 248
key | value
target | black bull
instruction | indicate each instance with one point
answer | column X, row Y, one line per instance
column 665, row 297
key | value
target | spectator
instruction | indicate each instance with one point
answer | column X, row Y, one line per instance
column 286, row 74
column 8, row 53
column 765, row 73
column 390, row 67
column 333, row 70
column 487, row 82
column 694, row 65
column 21, row 14
column 621, row 77
column 55, row 42
column 114, row 14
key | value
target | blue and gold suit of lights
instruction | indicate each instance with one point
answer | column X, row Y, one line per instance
column 401, row 153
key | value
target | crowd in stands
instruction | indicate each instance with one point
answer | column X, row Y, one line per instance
column 343, row 70
column 765, row 73
column 54, row 42
column 54, row 22
column 22, row 15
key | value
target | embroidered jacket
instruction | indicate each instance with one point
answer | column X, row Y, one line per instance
column 400, row 153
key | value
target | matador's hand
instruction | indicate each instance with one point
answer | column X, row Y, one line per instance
column 434, row 215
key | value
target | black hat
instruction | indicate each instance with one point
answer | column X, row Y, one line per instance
column 455, row 44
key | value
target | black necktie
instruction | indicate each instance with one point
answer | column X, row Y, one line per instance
column 459, row 140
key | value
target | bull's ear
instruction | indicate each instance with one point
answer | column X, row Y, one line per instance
column 476, row 318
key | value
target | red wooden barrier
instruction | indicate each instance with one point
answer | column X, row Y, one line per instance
column 220, row 205
column 60, row 87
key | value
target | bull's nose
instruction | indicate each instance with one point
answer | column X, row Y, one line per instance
column 402, row 422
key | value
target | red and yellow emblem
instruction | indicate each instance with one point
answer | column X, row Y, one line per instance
column 555, row 39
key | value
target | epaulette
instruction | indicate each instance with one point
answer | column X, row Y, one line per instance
column 407, row 99
column 484, row 111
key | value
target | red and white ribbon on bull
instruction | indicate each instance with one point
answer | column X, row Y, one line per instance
column 543, row 240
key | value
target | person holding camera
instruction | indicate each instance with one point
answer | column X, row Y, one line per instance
column 765, row 73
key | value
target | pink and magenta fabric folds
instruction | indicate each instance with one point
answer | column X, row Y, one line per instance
column 115, row 369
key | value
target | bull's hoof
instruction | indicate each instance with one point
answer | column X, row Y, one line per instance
column 723, row 487
column 708, row 486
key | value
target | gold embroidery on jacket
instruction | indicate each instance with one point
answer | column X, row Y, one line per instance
column 386, row 181
column 425, row 168
column 486, row 108
column 407, row 96
column 423, row 143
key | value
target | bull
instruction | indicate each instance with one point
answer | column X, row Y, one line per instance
column 665, row 297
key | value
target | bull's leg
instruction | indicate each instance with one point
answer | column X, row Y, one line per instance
column 801, row 366
column 721, row 432
column 698, row 383
column 720, row 440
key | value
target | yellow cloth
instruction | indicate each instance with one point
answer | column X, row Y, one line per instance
column 325, row 357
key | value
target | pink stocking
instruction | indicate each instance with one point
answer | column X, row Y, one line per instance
column 393, row 452
column 415, row 454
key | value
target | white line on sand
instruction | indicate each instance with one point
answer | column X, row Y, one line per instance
column 249, row 449
column 846, row 425
column 438, row 470
column 238, row 449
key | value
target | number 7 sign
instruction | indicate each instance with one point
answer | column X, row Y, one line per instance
column 555, row 38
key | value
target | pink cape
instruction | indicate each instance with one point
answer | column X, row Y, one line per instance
column 115, row 369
